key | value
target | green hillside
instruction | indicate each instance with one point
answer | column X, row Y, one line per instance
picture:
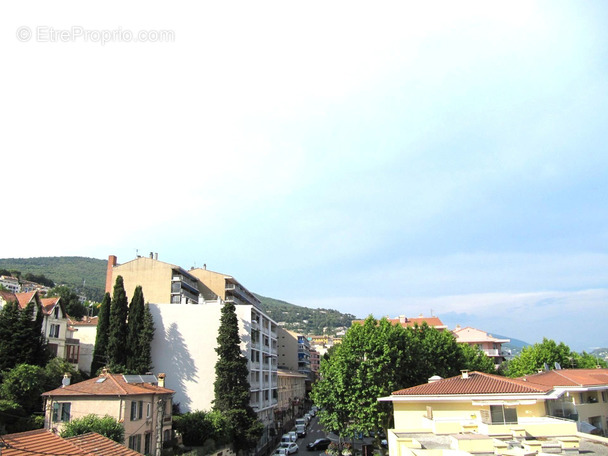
column 302, row 319
column 86, row 275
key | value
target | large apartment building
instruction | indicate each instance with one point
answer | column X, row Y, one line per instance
column 186, row 306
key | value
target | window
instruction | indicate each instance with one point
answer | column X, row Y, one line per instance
column 57, row 311
column 54, row 332
column 147, row 443
column 72, row 352
column 148, row 410
column 135, row 442
column 500, row 414
column 61, row 411
column 604, row 396
column 137, row 410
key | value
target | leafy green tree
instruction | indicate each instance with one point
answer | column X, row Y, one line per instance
column 100, row 357
column 198, row 427
column 117, row 338
column 107, row 426
column 70, row 300
column 23, row 385
column 134, row 329
column 547, row 353
column 232, row 389
column 476, row 360
column 55, row 370
column 374, row 359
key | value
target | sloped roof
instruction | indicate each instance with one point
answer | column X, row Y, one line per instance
column 97, row 444
column 469, row 334
column 113, row 385
column 48, row 304
column 8, row 296
column 476, row 383
column 571, row 377
column 86, row 321
column 25, row 298
column 39, row 441
column 43, row 441
column 433, row 322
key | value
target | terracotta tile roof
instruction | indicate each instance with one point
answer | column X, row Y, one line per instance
column 434, row 322
column 45, row 442
column 97, row 444
column 40, row 441
column 86, row 321
column 48, row 304
column 476, row 383
column 571, row 377
column 113, row 385
column 25, row 298
column 7, row 296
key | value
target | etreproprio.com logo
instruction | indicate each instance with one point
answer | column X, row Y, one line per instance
column 47, row 34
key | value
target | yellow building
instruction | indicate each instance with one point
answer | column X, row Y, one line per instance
column 491, row 407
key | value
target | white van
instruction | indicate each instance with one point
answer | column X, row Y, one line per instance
column 301, row 421
column 301, row 430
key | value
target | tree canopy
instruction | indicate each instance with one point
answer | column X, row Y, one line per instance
column 70, row 300
column 107, row 426
column 376, row 358
column 546, row 354
column 100, row 358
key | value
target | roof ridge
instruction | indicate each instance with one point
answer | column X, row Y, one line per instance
column 515, row 381
column 117, row 383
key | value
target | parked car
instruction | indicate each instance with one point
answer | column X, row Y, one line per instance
column 319, row 444
column 301, row 421
column 280, row 452
column 291, row 447
column 293, row 435
column 286, row 438
column 301, row 430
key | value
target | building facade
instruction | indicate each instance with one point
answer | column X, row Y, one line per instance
column 186, row 306
column 491, row 346
column 141, row 403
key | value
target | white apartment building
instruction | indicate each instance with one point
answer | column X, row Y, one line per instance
column 186, row 332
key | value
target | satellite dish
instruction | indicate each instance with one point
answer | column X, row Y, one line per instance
column 546, row 366
column 557, row 366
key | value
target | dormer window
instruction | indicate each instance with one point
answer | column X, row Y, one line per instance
column 57, row 311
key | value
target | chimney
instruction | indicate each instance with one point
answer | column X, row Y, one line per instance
column 465, row 374
column 111, row 263
column 402, row 319
column 151, row 255
column 66, row 380
column 156, row 256
column 161, row 380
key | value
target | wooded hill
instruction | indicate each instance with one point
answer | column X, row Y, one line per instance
column 88, row 275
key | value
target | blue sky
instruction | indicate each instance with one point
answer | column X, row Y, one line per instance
column 381, row 159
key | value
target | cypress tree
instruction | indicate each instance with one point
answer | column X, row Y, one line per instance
column 145, row 341
column 117, row 338
column 135, row 325
column 21, row 338
column 232, row 389
column 10, row 353
column 101, row 338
